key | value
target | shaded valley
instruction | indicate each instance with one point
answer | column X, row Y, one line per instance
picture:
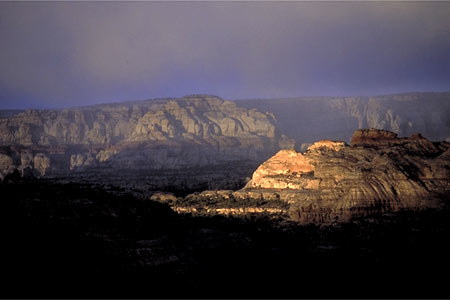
column 64, row 241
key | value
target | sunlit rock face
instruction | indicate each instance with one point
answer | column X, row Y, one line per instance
column 285, row 164
column 206, row 118
column 378, row 173
column 190, row 117
column 109, row 140
column 197, row 132
column 326, row 145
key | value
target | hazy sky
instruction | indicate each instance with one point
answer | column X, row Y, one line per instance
column 56, row 54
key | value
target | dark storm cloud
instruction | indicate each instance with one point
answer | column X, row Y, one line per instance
column 56, row 54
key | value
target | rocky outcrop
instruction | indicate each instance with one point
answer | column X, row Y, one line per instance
column 224, row 202
column 239, row 211
column 26, row 161
column 377, row 173
column 373, row 137
column 6, row 165
column 334, row 182
column 272, row 173
column 41, row 163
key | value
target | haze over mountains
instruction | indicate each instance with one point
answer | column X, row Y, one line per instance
column 310, row 119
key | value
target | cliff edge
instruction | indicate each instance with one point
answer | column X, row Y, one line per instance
column 377, row 173
column 332, row 181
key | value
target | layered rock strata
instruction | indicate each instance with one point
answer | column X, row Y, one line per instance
column 334, row 182
column 377, row 173
column 166, row 134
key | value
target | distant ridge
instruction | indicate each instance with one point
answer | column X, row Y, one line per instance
column 307, row 119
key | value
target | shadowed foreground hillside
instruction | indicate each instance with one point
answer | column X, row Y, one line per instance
column 80, row 241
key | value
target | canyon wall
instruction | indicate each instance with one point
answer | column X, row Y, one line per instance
column 310, row 119
column 166, row 134
column 200, row 141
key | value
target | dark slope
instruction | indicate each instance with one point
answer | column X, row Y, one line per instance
column 71, row 241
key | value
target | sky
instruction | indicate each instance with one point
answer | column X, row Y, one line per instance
column 64, row 54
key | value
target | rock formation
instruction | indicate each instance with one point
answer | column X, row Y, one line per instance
column 26, row 161
column 334, row 182
column 201, row 141
column 377, row 173
column 190, row 117
column 106, row 141
column 310, row 119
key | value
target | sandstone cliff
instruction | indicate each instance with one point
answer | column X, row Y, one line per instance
column 106, row 141
column 189, row 117
column 377, row 173
column 334, row 182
